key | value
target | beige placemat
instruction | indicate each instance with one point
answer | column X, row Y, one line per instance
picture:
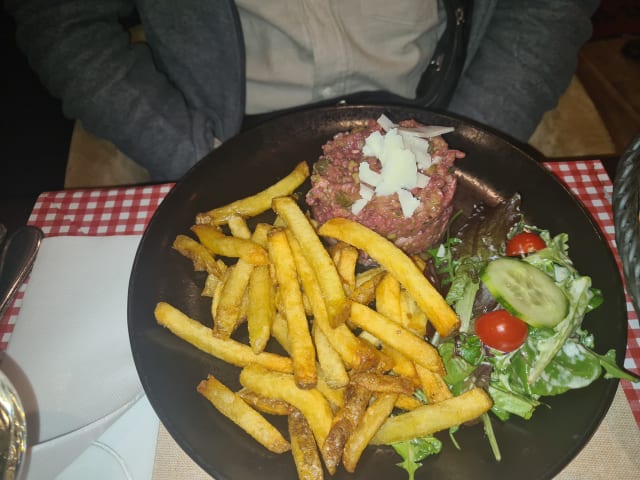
column 95, row 162
column 612, row 453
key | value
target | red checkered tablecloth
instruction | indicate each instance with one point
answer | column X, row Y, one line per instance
column 94, row 212
column 127, row 211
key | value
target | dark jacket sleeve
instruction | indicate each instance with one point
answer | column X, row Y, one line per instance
column 523, row 62
column 120, row 91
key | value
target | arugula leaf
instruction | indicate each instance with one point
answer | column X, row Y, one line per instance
column 471, row 349
column 608, row 362
column 488, row 430
column 420, row 395
column 443, row 259
column 461, row 358
column 414, row 451
column 596, row 300
column 553, row 256
column 507, row 402
column 464, row 287
column 452, row 431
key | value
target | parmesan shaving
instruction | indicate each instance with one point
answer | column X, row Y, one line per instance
column 403, row 154
column 408, row 202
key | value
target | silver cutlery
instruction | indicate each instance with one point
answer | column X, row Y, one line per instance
column 16, row 259
column 13, row 430
column 18, row 253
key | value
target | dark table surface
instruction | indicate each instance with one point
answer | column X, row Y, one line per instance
column 14, row 212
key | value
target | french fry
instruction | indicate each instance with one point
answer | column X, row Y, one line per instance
column 394, row 260
column 365, row 291
column 238, row 227
column 257, row 331
column 406, row 402
column 379, row 383
column 240, row 413
column 388, row 298
column 228, row 246
column 278, row 222
column 260, row 234
column 198, row 254
column 420, row 263
column 303, row 448
column 334, row 371
column 270, row 406
column 432, row 418
column 260, row 308
column 228, row 314
column 356, row 399
column 354, row 352
column 433, row 385
column 413, row 318
column 396, row 336
column 303, row 352
column 402, row 365
column 282, row 386
column 335, row 251
column 345, row 257
column 335, row 396
column 368, row 274
column 217, row 293
column 258, row 203
column 210, row 285
column 367, row 337
column 373, row 417
column 317, row 256
column 307, row 305
column 280, row 331
column 202, row 338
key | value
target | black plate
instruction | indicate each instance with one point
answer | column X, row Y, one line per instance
column 494, row 168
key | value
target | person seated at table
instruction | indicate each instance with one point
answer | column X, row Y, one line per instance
column 205, row 65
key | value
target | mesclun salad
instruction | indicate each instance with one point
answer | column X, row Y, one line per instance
column 521, row 303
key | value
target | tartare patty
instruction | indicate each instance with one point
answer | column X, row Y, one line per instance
column 336, row 186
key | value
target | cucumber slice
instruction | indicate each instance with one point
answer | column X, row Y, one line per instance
column 526, row 292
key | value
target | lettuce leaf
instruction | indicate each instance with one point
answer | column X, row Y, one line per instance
column 414, row 451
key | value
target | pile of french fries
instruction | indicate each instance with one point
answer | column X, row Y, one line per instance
column 355, row 340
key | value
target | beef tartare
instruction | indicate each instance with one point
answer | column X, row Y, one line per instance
column 395, row 179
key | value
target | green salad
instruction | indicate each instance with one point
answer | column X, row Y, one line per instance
column 521, row 303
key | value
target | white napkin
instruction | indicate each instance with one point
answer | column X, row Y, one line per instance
column 45, row 460
column 125, row 451
column 69, row 354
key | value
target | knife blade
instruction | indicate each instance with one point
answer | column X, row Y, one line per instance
column 16, row 259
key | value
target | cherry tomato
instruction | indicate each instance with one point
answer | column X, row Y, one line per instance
column 501, row 330
column 523, row 243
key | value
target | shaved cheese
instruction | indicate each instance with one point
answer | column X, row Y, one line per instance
column 423, row 180
column 403, row 154
column 414, row 143
column 399, row 171
column 408, row 202
column 366, row 192
column 423, row 161
column 392, row 147
column 373, row 145
column 358, row 205
column 367, row 175
column 419, row 147
column 385, row 122
column 427, row 131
